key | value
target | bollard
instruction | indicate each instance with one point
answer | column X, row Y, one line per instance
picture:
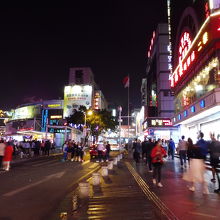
column 32, row 153
column 84, row 189
column 21, row 155
column 104, row 171
column 75, row 203
column 63, row 215
column 115, row 161
column 118, row 157
column 110, row 165
column 95, row 179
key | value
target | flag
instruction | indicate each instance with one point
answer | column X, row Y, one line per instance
column 126, row 81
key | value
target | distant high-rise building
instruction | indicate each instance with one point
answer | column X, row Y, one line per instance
column 156, row 93
column 81, row 75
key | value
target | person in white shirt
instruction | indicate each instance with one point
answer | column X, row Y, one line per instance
column 100, row 149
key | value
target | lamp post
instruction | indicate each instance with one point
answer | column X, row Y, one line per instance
column 89, row 112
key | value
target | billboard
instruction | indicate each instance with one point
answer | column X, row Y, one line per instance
column 26, row 112
column 74, row 96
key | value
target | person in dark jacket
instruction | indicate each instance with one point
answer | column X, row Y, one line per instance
column 137, row 150
column 144, row 149
column 214, row 151
column 108, row 149
column 203, row 145
column 189, row 149
column 171, row 148
column 47, row 147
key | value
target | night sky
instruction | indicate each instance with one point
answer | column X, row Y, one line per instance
column 39, row 45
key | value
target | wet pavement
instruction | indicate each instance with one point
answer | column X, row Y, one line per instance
column 128, row 193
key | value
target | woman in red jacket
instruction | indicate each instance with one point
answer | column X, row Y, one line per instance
column 157, row 155
column 7, row 157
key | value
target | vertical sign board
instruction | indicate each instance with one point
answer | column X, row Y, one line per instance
column 74, row 96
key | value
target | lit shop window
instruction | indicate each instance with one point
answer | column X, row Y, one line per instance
column 206, row 80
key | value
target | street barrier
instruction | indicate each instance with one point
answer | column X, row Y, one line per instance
column 118, row 157
column 63, row 215
column 115, row 161
column 110, row 165
column 96, row 179
column 83, row 189
column 104, row 171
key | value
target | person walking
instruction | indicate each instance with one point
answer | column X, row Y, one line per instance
column 189, row 149
column 137, row 150
column 8, row 156
column 203, row 145
column 150, row 146
column 171, row 148
column 157, row 155
column 196, row 171
column 144, row 149
column 108, row 149
column 214, row 151
column 100, row 149
column 2, row 151
column 182, row 148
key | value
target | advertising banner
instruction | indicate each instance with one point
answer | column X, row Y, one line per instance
column 26, row 112
column 74, row 96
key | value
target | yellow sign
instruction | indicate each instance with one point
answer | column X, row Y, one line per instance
column 56, row 116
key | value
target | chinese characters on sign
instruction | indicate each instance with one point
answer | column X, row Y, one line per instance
column 156, row 122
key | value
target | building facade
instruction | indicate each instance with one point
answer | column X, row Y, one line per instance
column 195, row 79
column 157, row 97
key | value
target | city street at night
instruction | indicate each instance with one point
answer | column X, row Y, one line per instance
column 33, row 189
column 110, row 110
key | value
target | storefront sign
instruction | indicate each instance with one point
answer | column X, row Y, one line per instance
column 56, row 116
column 190, row 51
column 58, row 130
column 158, row 122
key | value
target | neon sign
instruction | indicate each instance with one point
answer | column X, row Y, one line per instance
column 187, row 55
column 151, row 45
column 159, row 122
column 208, row 33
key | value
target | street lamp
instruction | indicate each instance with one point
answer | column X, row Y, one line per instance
column 89, row 112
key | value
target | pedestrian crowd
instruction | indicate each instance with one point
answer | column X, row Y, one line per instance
column 73, row 151
column 13, row 149
column 155, row 153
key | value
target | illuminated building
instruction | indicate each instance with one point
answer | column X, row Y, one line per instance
column 34, row 121
column 82, row 90
column 157, row 97
column 195, row 79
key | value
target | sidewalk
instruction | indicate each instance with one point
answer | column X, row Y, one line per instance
column 117, row 197
column 128, row 193
column 176, row 196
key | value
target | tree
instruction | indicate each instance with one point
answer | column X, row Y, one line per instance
column 101, row 121
column 98, row 122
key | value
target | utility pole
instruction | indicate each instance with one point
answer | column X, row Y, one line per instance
column 120, row 120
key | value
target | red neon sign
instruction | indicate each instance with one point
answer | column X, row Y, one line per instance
column 190, row 51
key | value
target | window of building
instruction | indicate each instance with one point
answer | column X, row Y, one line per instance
column 79, row 76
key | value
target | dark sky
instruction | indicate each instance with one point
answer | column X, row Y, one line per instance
column 38, row 46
